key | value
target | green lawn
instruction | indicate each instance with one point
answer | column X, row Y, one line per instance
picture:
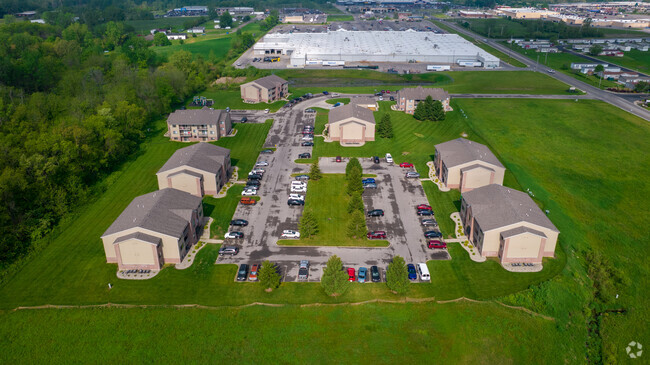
column 634, row 59
column 340, row 18
column 328, row 199
column 338, row 100
column 232, row 99
column 373, row 333
column 222, row 210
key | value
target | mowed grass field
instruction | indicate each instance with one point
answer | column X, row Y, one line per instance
column 376, row 333
column 634, row 59
column 328, row 199
column 339, row 18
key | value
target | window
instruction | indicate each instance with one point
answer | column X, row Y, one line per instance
column 175, row 132
column 173, row 125
column 211, row 132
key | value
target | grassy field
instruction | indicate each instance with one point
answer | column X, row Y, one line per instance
column 634, row 59
column 374, row 333
column 233, row 100
column 328, row 199
column 340, row 18
column 338, row 100
column 222, row 210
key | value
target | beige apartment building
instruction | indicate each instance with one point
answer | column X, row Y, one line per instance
column 466, row 165
column 155, row 229
column 198, row 125
column 408, row 98
column 351, row 125
column 267, row 89
column 199, row 169
column 506, row 223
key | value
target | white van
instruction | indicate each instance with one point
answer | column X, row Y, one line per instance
column 389, row 158
column 424, row 272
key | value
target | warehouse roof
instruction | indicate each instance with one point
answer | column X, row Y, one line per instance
column 201, row 116
column 460, row 151
column 347, row 111
column 202, row 156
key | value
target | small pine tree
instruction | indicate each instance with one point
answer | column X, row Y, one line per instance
column 354, row 185
column 397, row 275
column 420, row 111
column 308, row 224
column 355, row 203
column 428, row 108
column 438, row 111
column 352, row 164
column 334, row 280
column 269, row 276
column 314, row 172
column 357, row 225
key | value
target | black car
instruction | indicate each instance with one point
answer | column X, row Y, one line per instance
column 425, row 212
column 254, row 177
column 242, row 273
column 243, row 120
column 304, row 155
column 239, row 222
column 268, row 150
column 255, row 183
column 432, row 234
column 376, row 159
column 374, row 274
column 376, row 213
column 307, row 144
column 295, row 202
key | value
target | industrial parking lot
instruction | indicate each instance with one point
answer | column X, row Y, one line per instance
column 395, row 194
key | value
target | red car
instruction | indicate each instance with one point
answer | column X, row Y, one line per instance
column 436, row 244
column 338, row 158
column 248, row 201
column 351, row 276
column 424, row 206
column 406, row 164
column 374, row 235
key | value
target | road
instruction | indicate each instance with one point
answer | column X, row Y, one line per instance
column 606, row 96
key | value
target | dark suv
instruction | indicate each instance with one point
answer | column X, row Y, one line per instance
column 242, row 273
column 304, row 155
column 432, row 234
column 374, row 274
column 376, row 213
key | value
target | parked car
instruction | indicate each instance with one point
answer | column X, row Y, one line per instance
column 307, row 144
column 298, row 183
column 304, row 155
column 302, row 177
column 262, row 163
column 228, row 250
column 255, row 183
column 425, row 212
column 368, row 180
column 361, row 276
column 234, row 234
column 243, row 120
column 413, row 275
column 338, row 159
column 351, row 276
column 288, row 233
column 432, row 234
column 310, row 110
column 254, row 177
column 267, row 110
column 253, row 275
column 308, row 138
column 242, row 273
column 303, row 270
column 424, row 206
column 429, row 222
column 376, row 159
column 298, row 189
column 249, row 192
column 389, row 158
column 268, row 150
column 412, row 175
column 375, row 276
column 374, row 235
column 337, row 105
column 296, row 196
column 370, row 186
column 376, row 213
column 326, row 93
column 406, row 164
column 294, row 202
column 257, row 170
column 248, row 201
column 239, row 222
column 436, row 244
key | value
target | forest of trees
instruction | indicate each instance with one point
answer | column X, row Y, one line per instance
column 75, row 102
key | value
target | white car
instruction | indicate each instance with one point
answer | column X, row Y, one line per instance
column 287, row 233
column 233, row 235
column 257, row 171
column 266, row 110
column 249, row 192
column 389, row 158
column 298, row 189
column 298, row 183
column 307, row 138
column 296, row 196
column 262, row 163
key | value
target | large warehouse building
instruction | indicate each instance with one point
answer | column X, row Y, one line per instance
column 335, row 48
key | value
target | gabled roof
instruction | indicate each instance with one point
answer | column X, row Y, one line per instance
column 475, row 166
column 269, row 82
column 347, row 111
column 495, row 206
column 201, row 116
column 521, row 230
column 461, row 151
column 421, row 93
column 140, row 237
column 363, row 100
column 165, row 211
column 203, row 156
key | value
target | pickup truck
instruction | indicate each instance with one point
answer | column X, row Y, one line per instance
column 303, row 271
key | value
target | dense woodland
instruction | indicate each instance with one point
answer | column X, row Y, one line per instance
column 75, row 102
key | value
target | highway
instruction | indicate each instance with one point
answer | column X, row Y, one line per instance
column 606, row 96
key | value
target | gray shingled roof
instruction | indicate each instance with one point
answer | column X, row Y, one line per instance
column 475, row 166
column 495, row 206
column 460, row 151
column 346, row 111
column 139, row 236
column 201, row 116
column 203, row 156
column 421, row 93
column 166, row 211
column 269, row 82
column 362, row 100
column 519, row 230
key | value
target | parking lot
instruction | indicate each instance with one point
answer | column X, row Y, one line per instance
column 267, row 219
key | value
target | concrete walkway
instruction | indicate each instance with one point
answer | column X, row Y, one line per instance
column 463, row 241
column 434, row 178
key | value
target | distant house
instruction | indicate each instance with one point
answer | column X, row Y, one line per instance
column 365, row 102
column 465, row 165
column 506, row 223
column 155, row 229
column 199, row 30
column 408, row 98
column 198, row 125
column 199, row 169
column 176, row 36
column 351, row 125
column 266, row 89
